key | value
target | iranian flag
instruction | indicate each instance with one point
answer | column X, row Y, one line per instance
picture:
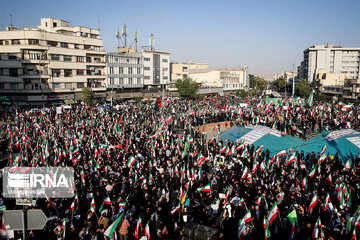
column 322, row 158
column 138, row 224
column 347, row 165
column 329, row 178
column 176, row 209
column 281, row 153
column 266, row 227
column 323, row 150
column 111, row 229
column 273, row 213
column 312, row 172
column 147, row 231
column 122, row 204
column 353, row 235
column 207, row 188
column 348, row 125
column 254, row 168
column 189, row 139
column 247, row 217
column 315, row 233
column 131, row 161
column 92, row 205
column 290, row 159
column 259, row 149
column 223, row 149
column 245, row 173
column 107, row 200
column 201, row 159
column 313, row 202
column 211, row 140
column 304, row 183
column 327, row 200
column 72, row 207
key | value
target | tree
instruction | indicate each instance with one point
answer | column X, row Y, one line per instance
column 322, row 97
column 88, row 96
column 257, row 82
column 279, row 84
column 242, row 93
column 303, row 89
column 187, row 87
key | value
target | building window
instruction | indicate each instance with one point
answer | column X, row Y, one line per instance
column 34, row 56
column 14, row 86
column 80, row 85
column 147, row 68
column 147, row 77
column 55, row 57
column 139, row 81
column 56, row 85
column 121, row 70
column 87, row 47
column 2, row 85
column 88, row 59
column 51, row 43
column 68, row 85
column 1, row 72
column 76, row 46
column 54, row 24
column 92, row 36
column 97, row 60
column 111, row 81
column 36, row 86
column 164, row 60
column 67, row 73
column 116, row 59
column 121, row 80
column 130, row 81
column 111, row 70
column 130, row 70
column 56, row 72
column 147, row 59
column 79, row 59
column 12, row 56
column 33, row 41
column 13, row 72
column 79, row 72
column 96, row 48
column 84, row 34
column 138, row 70
column 165, row 77
column 67, row 58
column 15, row 42
column 64, row 45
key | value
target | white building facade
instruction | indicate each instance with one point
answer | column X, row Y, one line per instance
column 156, row 69
column 229, row 80
column 51, row 63
column 333, row 59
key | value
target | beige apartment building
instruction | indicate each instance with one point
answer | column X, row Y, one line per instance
column 182, row 70
column 227, row 79
column 51, row 63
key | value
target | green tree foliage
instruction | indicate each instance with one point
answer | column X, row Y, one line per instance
column 321, row 97
column 187, row 87
column 242, row 93
column 279, row 84
column 257, row 82
column 302, row 89
column 88, row 96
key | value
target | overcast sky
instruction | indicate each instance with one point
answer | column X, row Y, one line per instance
column 267, row 36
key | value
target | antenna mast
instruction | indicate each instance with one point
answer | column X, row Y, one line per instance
column 123, row 32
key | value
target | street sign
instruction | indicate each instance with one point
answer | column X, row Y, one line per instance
column 36, row 219
column 14, row 219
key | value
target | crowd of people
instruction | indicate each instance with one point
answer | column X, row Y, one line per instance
column 144, row 170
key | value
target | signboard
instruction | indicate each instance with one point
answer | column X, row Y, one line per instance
column 14, row 219
column 59, row 110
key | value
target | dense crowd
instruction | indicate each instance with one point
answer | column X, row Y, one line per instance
column 144, row 169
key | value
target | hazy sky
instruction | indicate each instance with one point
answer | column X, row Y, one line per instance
column 267, row 36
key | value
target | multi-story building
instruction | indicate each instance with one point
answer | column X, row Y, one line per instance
column 287, row 76
column 333, row 59
column 182, row 70
column 229, row 80
column 156, row 69
column 125, row 71
column 51, row 63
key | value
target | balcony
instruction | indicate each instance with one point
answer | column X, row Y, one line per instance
column 121, row 86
